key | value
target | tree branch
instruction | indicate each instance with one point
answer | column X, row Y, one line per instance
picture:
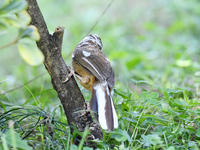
column 69, row 92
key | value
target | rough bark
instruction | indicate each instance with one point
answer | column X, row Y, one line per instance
column 68, row 92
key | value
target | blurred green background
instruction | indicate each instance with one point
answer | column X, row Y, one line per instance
column 152, row 40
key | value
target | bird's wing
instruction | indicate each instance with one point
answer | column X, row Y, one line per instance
column 96, row 62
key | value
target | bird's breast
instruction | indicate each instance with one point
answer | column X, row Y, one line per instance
column 85, row 74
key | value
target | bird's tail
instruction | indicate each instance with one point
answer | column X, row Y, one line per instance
column 102, row 104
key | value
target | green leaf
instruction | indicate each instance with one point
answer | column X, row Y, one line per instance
column 118, row 137
column 4, row 107
column 129, row 119
column 3, row 26
column 23, row 18
column 19, row 142
column 139, row 81
column 121, row 135
column 125, row 133
column 73, row 147
column 171, row 148
column 3, row 3
column 30, row 54
column 4, row 142
column 151, row 139
column 153, row 100
column 29, row 32
column 198, row 142
column 11, row 19
column 145, row 95
column 14, row 6
column 159, row 130
column 193, row 145
column 198, row 132
column 125, row 106
column 150, row 121
column 120, row 94
column 180, row 103
column 166, row 95
column 154, row 95
column 19, row 20
column 172, row 91
column 182, row 88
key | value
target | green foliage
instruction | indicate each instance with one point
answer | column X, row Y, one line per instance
column 13, row 14
column 35, row 125
column 29, row 32
column 30, row 53
column 154, row 49
column 14, row 140
column 168, row 120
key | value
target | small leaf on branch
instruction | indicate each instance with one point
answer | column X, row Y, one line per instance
column 3, row 26
column 14, row 6
column 4, row 3
column 23, row 18
column 30, row 53
column 29, row 32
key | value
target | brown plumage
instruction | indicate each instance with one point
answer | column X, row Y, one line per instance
column 94, row 72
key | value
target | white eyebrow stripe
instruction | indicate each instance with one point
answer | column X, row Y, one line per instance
column 91, row 65
column 83, row 43
column 86, row 54
column 88, row 38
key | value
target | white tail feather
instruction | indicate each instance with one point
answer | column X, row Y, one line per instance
column 100, row 93
column 101, row 89
column 114, row 114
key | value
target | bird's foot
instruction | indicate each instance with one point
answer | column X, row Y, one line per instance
column 69, row 75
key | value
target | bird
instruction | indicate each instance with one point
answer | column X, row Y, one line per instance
column 94, row 72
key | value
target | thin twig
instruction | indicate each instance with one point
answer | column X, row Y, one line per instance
column 22, row 85
column 103, row 13
column 95, row 24
column 9, row 44
column 4, row 81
